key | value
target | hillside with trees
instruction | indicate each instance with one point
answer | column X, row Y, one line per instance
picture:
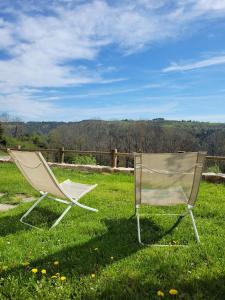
column 157, row 135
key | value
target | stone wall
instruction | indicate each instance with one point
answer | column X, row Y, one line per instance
column 93, row 168
column 214, row 177
column 210, row 177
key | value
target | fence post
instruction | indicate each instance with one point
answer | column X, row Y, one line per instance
column 61, row 155
column 18, row 147
column 114, row 158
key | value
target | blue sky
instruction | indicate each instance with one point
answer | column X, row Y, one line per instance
column 69, row 60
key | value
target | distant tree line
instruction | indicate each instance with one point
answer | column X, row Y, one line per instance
column 156, row 135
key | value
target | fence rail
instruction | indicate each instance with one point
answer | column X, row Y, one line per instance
column 114, row 154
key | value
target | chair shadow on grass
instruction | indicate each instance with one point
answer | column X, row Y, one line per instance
column 118, row 242
column 153, row 232
column 43, row 217
column 11, row 225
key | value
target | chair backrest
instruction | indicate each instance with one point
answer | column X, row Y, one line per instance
column 37, row 172
column 168, row 172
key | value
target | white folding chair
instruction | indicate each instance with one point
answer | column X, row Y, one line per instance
column 164, row 179
column 37, row 172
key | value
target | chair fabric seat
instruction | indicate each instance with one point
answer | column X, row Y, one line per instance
column 163, row 197
column 74, row 189
column 166, row 179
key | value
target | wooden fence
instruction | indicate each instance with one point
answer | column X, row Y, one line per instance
column 114, row 154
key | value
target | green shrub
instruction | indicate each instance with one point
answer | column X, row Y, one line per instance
column 214, row 169
column 79, row 159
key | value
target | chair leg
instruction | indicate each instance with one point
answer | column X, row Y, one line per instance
column 158, row 245
column 84, row 206
column 194, row 224
column 61, row 216
column 31, row 208
column 73, row 203
column 138, row 225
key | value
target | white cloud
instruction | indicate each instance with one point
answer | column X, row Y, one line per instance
column 49, row 42
column 22, row 105
column 29, row 107
column 117, row 91
column 42, row 43
column 217, row 60
column 37, row 107
column 209, row 5
column 6, row 39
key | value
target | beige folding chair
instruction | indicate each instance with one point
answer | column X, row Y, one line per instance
column 37, row 172
column 164, row 179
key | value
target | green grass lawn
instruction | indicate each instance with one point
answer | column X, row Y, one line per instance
column 98, row 253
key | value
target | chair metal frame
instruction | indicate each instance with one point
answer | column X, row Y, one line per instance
column 73, row 202
column 189, row 210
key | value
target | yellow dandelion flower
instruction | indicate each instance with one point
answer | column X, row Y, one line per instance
column 34, row 270
column 63, row 278
column 173, row 292
column 53, row 277
column 160, row 293
column 43, row 271
column 25, row 264
column 93, row 275
column 56, row 263
column 111, row 257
